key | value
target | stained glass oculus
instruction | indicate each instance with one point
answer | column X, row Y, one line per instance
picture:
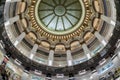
column 59, row 16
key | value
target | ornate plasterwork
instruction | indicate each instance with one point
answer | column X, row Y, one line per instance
column 81, row 26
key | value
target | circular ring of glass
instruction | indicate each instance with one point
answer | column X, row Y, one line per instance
column 42, row 32
column 59, row 19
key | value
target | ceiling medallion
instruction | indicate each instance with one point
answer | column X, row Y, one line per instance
column 60, row 19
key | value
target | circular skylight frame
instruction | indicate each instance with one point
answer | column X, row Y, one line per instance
column 61, row 32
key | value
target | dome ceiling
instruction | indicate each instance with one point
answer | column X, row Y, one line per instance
column 61, row 26
column 60, row 19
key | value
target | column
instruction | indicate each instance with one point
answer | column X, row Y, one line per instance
column 51, row 58
column 108, row 20
column 13, row 1
column 19, row 38
column 69, row 58
column 6, row 8
column 100, row 38
column 33, row 51
column 11, row 21
column 86, row 51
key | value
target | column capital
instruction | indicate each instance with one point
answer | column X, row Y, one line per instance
column 10, row 21
column 109, row 20
column 100, row 38
column 19, row 38
column 68, row 51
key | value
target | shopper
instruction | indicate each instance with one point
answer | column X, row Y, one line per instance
column 3, row 72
